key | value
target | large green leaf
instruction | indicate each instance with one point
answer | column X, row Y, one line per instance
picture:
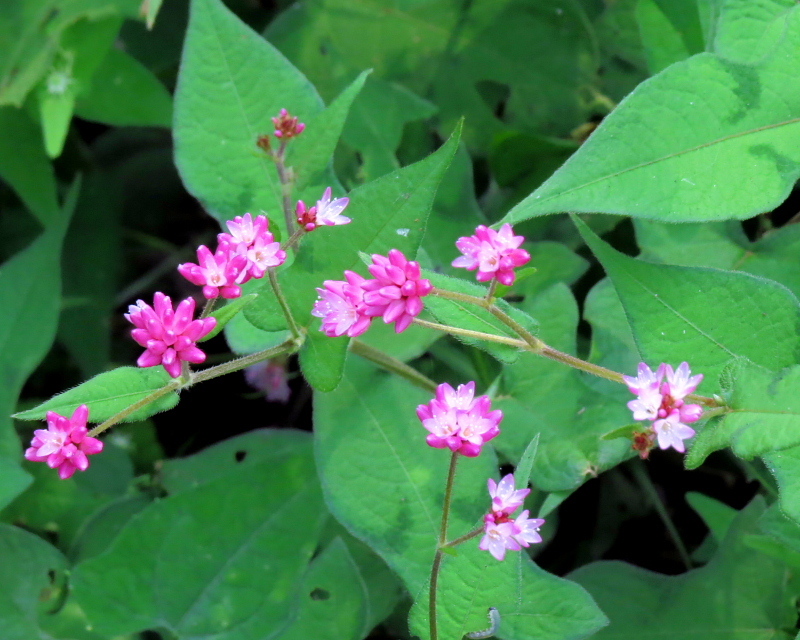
column 785, row 466
column 28, row 566
column 24, row 165
column 30, row 296
column 740, row 595
column 671, row 31
column 707, row 317
column 384, row 448
column 232, row 82
column 109, row 393
column 251, row 523
column 765, row 416
column 748, row 30
column 706, row 139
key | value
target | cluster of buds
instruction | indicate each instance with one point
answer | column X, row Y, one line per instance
column 459, row 421
column 244, row 253
column 500, row 531
column 661, row 399
column 325, row 212
column 287, row 126
column 394, row 293
column 65, row 444
column 495, row 254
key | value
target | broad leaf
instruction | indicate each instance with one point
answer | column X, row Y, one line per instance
column 706, row 139
column 748, row 30
column 707, row 317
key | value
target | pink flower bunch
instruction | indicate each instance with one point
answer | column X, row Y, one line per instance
column 459, row 421
column 501, row 532
column 168, row 336
column 326, row 211
column 64, row 445
column 244, row 253
column 270, row 378
column 395, row 293
column 495, row 254
column 660, row 398
column 287, row 126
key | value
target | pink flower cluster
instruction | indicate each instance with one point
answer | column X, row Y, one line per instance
column 394, row 293
column 326, row 211
column 495, row 254
column 660, row 398
column 287, row 126
column 168, row 335
column 501, row 532
column 65, row 444
column 244, row 253
column 459, row 421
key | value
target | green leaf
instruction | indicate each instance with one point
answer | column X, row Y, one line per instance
column 227, row 312
column 717, row 515
column 706, row 139
column 55, row 115
column 243, row 338
column 125, row 93
column 764, row 417
column 785, row 466
column 322, row 360
column 232, row 82
column 255, row 518
column 671, row 322
column 333, row 600
column 748, row 29
column 30, row 296
column 24, row 165
column 109, row 393
column 741, row 594
column 533, row 604
column 671, row 31
column 522, row 474
column 26, row 562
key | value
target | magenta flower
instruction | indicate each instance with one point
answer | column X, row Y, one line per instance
column 458, row 425
column 527, row 529
column 252, row 239
column 341, row 307
column 397, row 289
column 499, row 536
column 217, row 273
column 64, row 445
column 287, row 126
column 168, row 335
column 495, row 254
column 505, row 498
column 326, row 211
column 660, row 397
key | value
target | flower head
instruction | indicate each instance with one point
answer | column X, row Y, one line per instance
column 505, row 498
column 341, row 307
column 660, row 397
column 459, row 425
column 217, row 273
column 495, row 254
column 498, row 537
column 287, row 126
column 252, row 239
column 326, row 211
column 168, row 335
column 527, row 529
column 397, row 289
column 64, row 445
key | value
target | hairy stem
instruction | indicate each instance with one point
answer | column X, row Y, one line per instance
column 456, row 331
column 384, row 360
column 437, row 559
column 174, row 385
column 287, row 312
column 284, row 175
column 467, row 536
column 209, row 307
column 290, row 346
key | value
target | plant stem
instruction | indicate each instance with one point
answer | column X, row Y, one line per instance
column 490, row 292
column 577, row 363
column 287, row 312
column 209, row 307
column 174, row 385
column 456, row 331
column 286, row 186
column 641, row 475
column 467, row 536
column 459, row 297
column 294, row 239
column 384, row 360
column 290, row 346
column 437, row 559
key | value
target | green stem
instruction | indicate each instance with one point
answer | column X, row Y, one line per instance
column 460, row 297
column 490, row 292
column 479, row 335
column 641, row 475
column 286, row 186
column 384, row 360
column 209, row 307
column 577, row 363
column 287, row 312
column 437, row 559
column 290, row 346
column 174, row 385
column 294, row 239
column 467, row 536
